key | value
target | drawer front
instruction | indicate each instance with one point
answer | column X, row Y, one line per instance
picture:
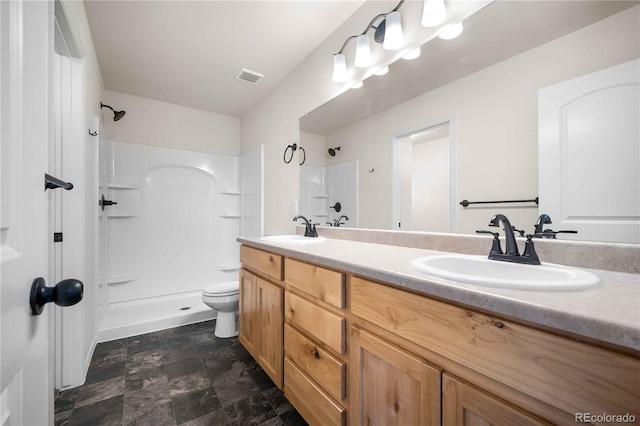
column 315, row 406
column 322, row 283
column 262, row 261
column 323, row 325
column 566, row 374
column 317, row 363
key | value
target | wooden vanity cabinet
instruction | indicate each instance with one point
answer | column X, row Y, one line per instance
column 261, row 311
column 315, row 342
column 389, row 385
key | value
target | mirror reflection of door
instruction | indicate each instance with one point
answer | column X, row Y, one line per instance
column 424, row 175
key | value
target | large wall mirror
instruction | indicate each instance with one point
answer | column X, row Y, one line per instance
column 461, row 122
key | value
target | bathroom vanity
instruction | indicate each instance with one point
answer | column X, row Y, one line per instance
column 354, row 335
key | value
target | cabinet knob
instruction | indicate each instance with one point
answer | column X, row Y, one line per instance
column 315, row 353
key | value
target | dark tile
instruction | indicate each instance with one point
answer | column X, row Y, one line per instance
column 142, row 401
column 144, row 339
column 178, row 353
column 195, row 404
column 95, row 392
column 143, row 346
column 104, row 358
column 207, row 342
column 215, row 418
column 110, row 346
column 189, row 383
column 144, row 360
column 293, row 418
column 176, row 342
column 62, row 418
column 171, row 333
column 105, row 412
column 161, row 415
column 200, row 327
column 105, row 372
column 189, row 365
column 235, row 384
column 66, row 400
column 261, row 379
column 278, row 401
column 275, row 421
column 145, row 377
column 249, row 411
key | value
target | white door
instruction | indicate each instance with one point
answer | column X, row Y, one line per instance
column 25, row 357
column 589, row 154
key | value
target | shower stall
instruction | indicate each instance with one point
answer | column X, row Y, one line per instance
column 168, row 227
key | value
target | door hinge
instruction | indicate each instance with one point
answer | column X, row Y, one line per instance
column 57, row 237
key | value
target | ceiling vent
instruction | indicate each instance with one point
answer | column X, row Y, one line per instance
column 249, row 76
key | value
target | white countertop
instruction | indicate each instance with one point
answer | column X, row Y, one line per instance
column 608, row 313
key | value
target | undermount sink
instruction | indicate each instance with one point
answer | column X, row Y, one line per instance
column 292, row 239
column 492, row 273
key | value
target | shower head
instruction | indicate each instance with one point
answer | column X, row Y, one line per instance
column 332, row 151
column 117, row 115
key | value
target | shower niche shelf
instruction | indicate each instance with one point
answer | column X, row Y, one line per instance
column 320, row 196
column 121, row 279
column 229, row 267
column 231, row 215
column 121, row 214
column 230, row 192
column 123, row 186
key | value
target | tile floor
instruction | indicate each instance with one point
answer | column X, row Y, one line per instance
column 180, row 376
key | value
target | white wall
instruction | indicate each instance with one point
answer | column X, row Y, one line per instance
column 151, row 122
column 503, row 116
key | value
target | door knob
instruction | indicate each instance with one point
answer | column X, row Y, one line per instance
column 102, row 202
column 66, row 293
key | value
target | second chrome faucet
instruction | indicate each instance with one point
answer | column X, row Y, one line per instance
column 310, row 230
column 511, row 253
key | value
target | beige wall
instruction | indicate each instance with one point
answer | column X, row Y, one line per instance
column 151, row 122
column 495, row 113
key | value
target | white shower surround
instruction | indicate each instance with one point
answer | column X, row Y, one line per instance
column 172, row 233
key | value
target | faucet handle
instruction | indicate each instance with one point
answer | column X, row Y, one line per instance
column 495, row 245
column 530, row 251
column 519, row 231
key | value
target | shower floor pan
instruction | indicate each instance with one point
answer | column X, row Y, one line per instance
column 132, row 318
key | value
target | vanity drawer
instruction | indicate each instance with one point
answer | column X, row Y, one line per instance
column 319, row 364
column 262, row 261
column 572, row 376
column 312, row 402
column 323, row 325
column 322, row 283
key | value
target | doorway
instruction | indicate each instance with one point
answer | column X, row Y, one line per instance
column 423, row 178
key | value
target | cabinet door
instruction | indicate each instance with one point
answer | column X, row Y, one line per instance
column 391, row 386
column 248, row 316
column 270, row 354
column 465, row 405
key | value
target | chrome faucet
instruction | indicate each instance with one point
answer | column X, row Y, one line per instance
column 310, row 230
column 337, row 222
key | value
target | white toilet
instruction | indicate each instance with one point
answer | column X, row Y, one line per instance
column 224, row 298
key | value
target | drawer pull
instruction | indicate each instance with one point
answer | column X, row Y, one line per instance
column 315, row 353
column 498, row 324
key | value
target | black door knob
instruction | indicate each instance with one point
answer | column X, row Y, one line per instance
column 66, row 293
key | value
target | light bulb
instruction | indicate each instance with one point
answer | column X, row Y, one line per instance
column 382, row 71
column 363, row 52
column 340, row 74
column 414, row 53
column 434, row 13
column 393, row 37
column 451, row 31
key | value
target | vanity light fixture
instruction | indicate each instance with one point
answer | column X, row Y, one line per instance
column 451, row 31
column 434, row 13
column 382, row 71
column 388, row 32
column 412, row 54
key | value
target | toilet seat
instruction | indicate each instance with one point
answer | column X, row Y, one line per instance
column 229, row 288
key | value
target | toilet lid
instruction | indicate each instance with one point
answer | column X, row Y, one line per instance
column 222, row 289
